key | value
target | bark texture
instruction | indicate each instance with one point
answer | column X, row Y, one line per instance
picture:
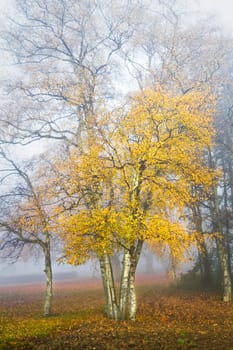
column 49, row 282
column 121, row 305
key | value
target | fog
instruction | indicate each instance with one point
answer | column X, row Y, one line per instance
column 29, row 272
column 23, row 272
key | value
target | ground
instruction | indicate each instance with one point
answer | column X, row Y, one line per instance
column 168, row 318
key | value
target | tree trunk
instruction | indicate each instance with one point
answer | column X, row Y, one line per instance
column 204, row 261
column 132, row 291
column 111, row 307
column 221, row 242
column 206, row 273
column 205, row 266
column 227, row 215
column 49, row 282
column 132, row 298
column 124, row 286
column 226, row 277
column 126, row 307
column 223, row 254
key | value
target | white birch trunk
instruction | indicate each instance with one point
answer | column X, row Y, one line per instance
column 112, row 290
column 49, row 282
column 226, row 277
column 124, row 286
column 107, row 294
column 132, row 289
column 132, row 293
column 111, row 307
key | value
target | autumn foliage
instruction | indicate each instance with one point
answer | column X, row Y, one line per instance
column 169, row 319
column 131, row 181
column 136, row 173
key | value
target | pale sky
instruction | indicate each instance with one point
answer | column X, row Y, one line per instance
column 222, row 8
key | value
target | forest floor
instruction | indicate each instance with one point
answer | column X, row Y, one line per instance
column 168, row 318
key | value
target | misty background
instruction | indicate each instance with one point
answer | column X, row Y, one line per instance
column 29, row 269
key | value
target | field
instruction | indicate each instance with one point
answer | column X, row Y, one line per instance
column 168, row 318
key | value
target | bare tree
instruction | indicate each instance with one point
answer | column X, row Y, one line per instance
column 66, row 51
column 26, row 216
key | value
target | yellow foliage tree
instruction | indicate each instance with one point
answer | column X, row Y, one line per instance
column 134, row 179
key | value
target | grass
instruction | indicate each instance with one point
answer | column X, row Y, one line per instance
column 168, row 318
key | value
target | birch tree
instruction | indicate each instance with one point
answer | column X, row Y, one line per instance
column 26, row 217
column 137, row 179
